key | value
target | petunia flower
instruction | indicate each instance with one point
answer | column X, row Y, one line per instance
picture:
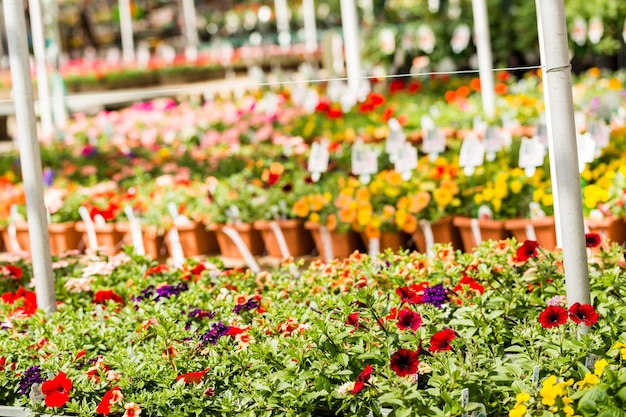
column 404, row 362
column 132, row 410
column 527, row 250
column 362, row 379
column 592, row 240
column 440, row 341
column 583, row 313
column 57, row 390
column 553, row 316
column 192, row 377
column 408, row 319
column 111, row 397
column 102, row 296
column 11, row 271
column 407, row 295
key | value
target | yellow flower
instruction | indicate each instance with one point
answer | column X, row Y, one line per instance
column 588, row 381
column 314, row 217
column 487, row 194
column 443, row 197
column 478, row 199
column 615, row 84
column 522, row 397
column 403, row 203
column 599, row 366
column 301, row 207
column 622, row 347
column 364, row 216
column 362, row 194
column 394, row 178
column 497, row 204
column 547, row 200
column 518, row 411
column 419, row 202
column 516, row 186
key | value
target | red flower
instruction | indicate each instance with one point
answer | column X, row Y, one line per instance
column 323, row 105
column 112, row 396
column 396, row 85
column 583, row 313
column 80, row 354
column 57, row 390
column 414, row 87
column 441, row 341
column 407, row 319
column 362, row 379
column 192, row 377
column 592, row 240
column 527, row 250
column 553, row 316
column 334, row 112
column 393, row 314
column 11, row 271
column 404, row 362
column 3, row 363
column 27, row 299
column 407, row 295
column 466, row 280
column 376, row 99
column 353, row 320
column 157, row 270
column 102, row 296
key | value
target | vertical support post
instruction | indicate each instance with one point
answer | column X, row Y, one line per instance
column 349, row 22
column 485, row 61
column 191, row 32
column 551, row 154
column 310, row 26
column 39, row 50
column 30, row 157
column 126, row 31
column 282, row 23
column 557, row 70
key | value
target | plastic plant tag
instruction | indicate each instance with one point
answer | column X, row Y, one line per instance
column 36, row 395
column 364, row 161
column 485, row 213
column 177, row 249
column 387, row 41
column 586, row 150
column 89, row 227
column 434, row 143
column 405, row 159
column 464, row 400
column 327, row 243
column 374, row 247
column 532, row 153
column 460, row 38
column 481, row 410
column 535, row 211
column 427, row 123
column 395, row 140
column 280, row 239
column 135, row 231
column 428, row 237
column 318, row 159
column 580, row 121
column 492, row 143
column 242, row 248
column 596, row 29
column 472, row 152
column 426, row 39
column 579, row 31
column 311, row 100
column 536, row 371
column 591, row 360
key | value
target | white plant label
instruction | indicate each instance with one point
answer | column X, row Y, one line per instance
column 493, row 142
column 600, row 133
column 311, row 100
column 579, row 31
column 395, row 140
column 596, row 29
column 535, row 211
column 586, row 150
column 135, row 231
column 460, row 38
column 464, row 400
column 318, row 159
column 406, row 160
column 472, row 152
column 485, row 213
column 536, row 371
column 434, row 143
column 364, row 161
column 531, row 154
column 426, row 39
column 580, row 121
column 387, row 41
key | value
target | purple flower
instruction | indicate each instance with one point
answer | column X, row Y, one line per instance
column 31, row 377
column 168, row 291
column 48, row 176
column 251, row 304
column 212, row 336
column 435, row 295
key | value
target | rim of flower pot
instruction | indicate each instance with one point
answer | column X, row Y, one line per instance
column 240, row 227
column 461, row 221
column 285, row 223
column 594, row 223
column 59, row 227
column 309, row 225
column 520, row 223
column 99, row 228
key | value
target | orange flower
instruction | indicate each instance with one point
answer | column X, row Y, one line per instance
column 410, row 224
column 301, row 207
column 372, row 232
column 450, row 96
column 501, row 247
column 445, row 253
column 419, row 202
column 362, row 194
column 501, row 88
column 463, row 91
column 331, row 222
column 475, row 84
column 347, row 214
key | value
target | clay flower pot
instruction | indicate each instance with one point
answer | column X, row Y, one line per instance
column 342, row 245
column 611, row 229
column 544, row 230
column 250, row 237
column 153, row 243
column 195, row 239
column 108, row 237
column 483, row 230
column 63, row 237
column 443, row 231
column 297, row 239
column 389, row 240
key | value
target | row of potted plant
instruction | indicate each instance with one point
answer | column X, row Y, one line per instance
column 489, row 331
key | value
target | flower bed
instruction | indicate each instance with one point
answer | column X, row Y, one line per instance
column 403, row 331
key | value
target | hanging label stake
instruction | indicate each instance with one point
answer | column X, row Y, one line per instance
column 89, row 227
column 493, row 143
column 429, row 238
column 177, row 250
column 15, row 215
column 374, row 247
column 396, row 139
column 280, row 239
column 472, row 154
column 464, row 400
column 135, row 231
column 531, row 155
column 242, row 248
column 406, row 160
column 364, row 161
column 318, row 159
column 327, row 244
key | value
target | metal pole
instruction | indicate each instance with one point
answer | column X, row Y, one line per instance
column 557, row 70
column 126, row 31
column 30, row 158
column 485, row 61
column 349, row 23
column 282, row 22
column 551, row 155
column 191, row 31
column 310, row 26
column 39, row 49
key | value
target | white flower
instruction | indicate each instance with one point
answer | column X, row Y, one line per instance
column 78, row 284
column 423, row 368
column 345, row 388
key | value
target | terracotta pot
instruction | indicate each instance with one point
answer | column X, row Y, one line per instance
column 21, row 234
column 109, row 239
column 545, row 231
column 343, row 244
column 153, row 243
column 195, row 239
column 251, row 238
column 22, row 240
column 298, row 239
column 443, row 232
column 63, row 237
column 489, row 230
column 611, row 229
column 389, row 240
